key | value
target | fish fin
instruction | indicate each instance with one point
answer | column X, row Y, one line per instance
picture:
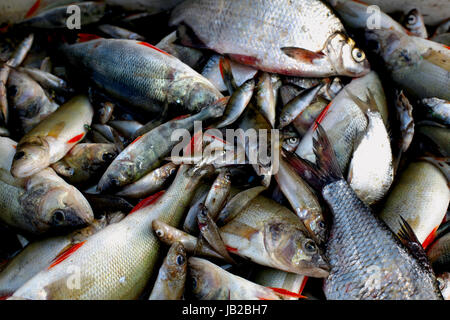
column 188, row 38
column 146, row 44
column 326, row 170
column 303, row 55
column 239, row 229
column 286, row 293
column 34, row 8
column 409, row 239
column 76, row 138
column 430, row 238
column 369, row 105
column 85, row 37
column 148, row 201
column 227, row 74
column 65, row 253
column 302, row 287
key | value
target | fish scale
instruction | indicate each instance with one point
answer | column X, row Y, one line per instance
column 367, row 261
column 269, row 26
column 117, row 262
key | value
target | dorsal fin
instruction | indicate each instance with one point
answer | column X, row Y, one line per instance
column 408, row 238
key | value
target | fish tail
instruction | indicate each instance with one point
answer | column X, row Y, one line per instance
column 326, row 170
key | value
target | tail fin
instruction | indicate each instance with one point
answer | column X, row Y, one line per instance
column 326, row 170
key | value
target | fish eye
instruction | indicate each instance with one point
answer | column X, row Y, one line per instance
column 19, row 155
column 180, row 260
column 194, row 284
column 58, row 217
column 292, row 140
column 107, row 156
column 159, row 233
column 358, row 55
column 310, row 246
column 321, row 225
column 412, row 19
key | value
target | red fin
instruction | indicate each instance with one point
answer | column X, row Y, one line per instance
column 302, row 54
column 181, row 117
column 65, row 254
column 361, row 2
column 148, row 201
column 231, row 249
column 76, row 138
column 5, row 297
column 33, row 9
column 446, row 47
column 287, row 293
column 135, row 140
column 430, row 238
column 305, row 279
column 243, row 59
column 321, row 116
column 153, row 47
column 85, row 37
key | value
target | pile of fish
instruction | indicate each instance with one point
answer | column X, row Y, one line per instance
column 342, row 194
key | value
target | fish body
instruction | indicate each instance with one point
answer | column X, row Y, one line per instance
column 141, row 75
column 53, row 137
column 117, row 262
column 421, row 197
column 85, row 162
column 301, row 38
column 28, row 100
column 145, row 153
column 271, row 235
column 415, row 24
column 171, row 278
column 438, row 109
column 406, row 56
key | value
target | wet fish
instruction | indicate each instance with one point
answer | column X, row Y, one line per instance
column 47, row 80
column 210, row 232
column 439, row 254
column 171, row 278
column 119, row 33
column 265, row 97
column 218, row 194
column 157, row 78
column 303, row 201
column 41, row 202
column 210, row 282
column 421, row 197
column 407, row 56
column 40, row 254
column 292, row 43
column 145, row 153
column 361, row 248
column 271, row 235
column 297, row 105
column 438, row 109
column 53, row 137
column 190, row 56
column 85, row 162
column 116, row 263
column 150, row 183
column 170, row 235
column 28, row 100
column 273, row 278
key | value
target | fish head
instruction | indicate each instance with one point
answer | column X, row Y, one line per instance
column 203, row 278
column 346, row 58
column 293, row 250
column 54, row 206
column 31, row 156
column 114, row 179
column 176, row 261
column 191, row 94
column 315, row 223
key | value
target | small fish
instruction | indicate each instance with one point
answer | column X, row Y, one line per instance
column 218, row 194
column 145, row 153
column 361, row 247
column 237, row 103
column 171, row 278
column 85, row 162
column 297, row 105
column 265, row 97
column 210, row 282
column 53, row 137
column 119, row 33
column 415, row 24
column 439, row 254
column 437, row 109
column 209, row 231
column 170, row 235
